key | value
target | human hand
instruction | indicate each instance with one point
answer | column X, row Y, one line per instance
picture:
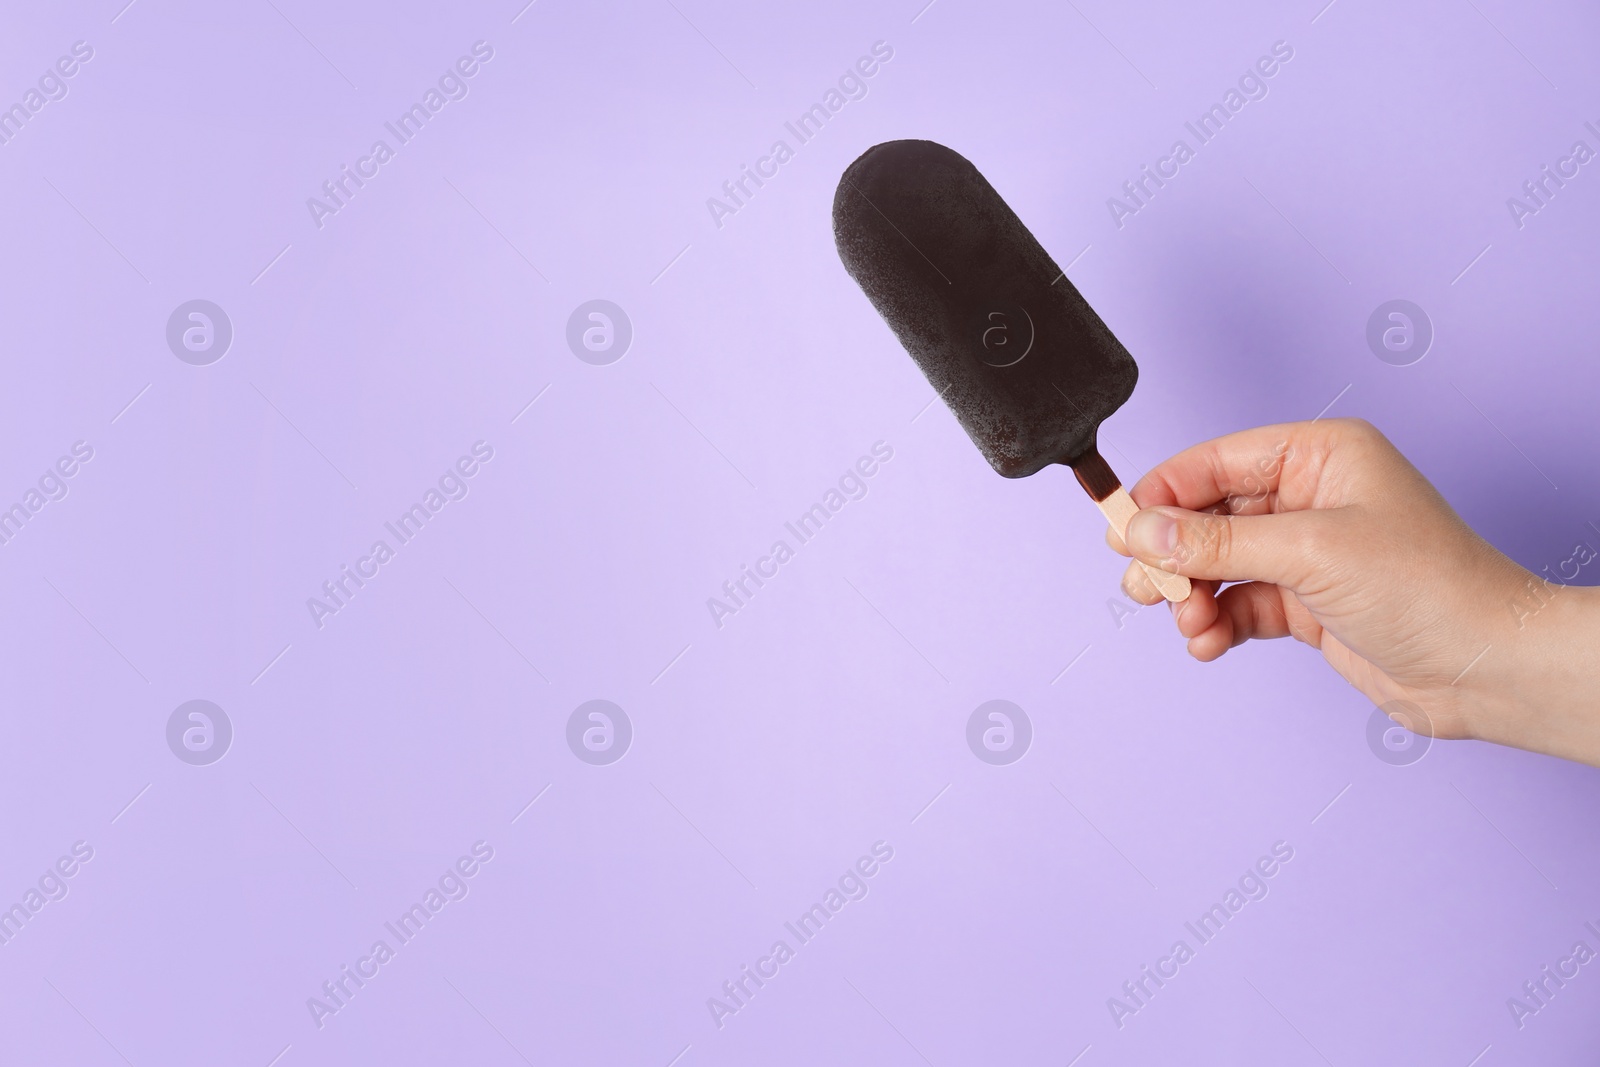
column 1336, row 539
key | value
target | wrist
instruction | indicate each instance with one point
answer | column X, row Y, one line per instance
column 1543, row 691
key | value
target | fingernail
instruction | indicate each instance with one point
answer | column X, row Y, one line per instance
column 1152, row 535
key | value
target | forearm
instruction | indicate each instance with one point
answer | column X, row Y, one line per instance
column 1541, row 690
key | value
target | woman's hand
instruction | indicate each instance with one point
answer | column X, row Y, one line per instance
column 1337, row 540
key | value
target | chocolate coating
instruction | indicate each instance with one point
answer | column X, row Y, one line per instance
column 1017, row 353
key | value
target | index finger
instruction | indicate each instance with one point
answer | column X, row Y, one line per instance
column 1248, row 464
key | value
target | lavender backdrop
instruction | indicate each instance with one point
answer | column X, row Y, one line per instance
column 369, row 745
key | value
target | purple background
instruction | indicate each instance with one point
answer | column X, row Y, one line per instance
column 769, row 754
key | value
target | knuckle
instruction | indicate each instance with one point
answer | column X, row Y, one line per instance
column 1205, row 539
column 1222, row 539
column 1309, row 540
column 1137, row 587
column 1312, row 547
column 1359, row 429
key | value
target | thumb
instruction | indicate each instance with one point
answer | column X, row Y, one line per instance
column 1229, row 548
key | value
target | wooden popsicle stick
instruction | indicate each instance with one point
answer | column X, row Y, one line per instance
column 1119, row 508
column 1105, row 489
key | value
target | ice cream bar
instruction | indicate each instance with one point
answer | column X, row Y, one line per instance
column 1004, row 337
